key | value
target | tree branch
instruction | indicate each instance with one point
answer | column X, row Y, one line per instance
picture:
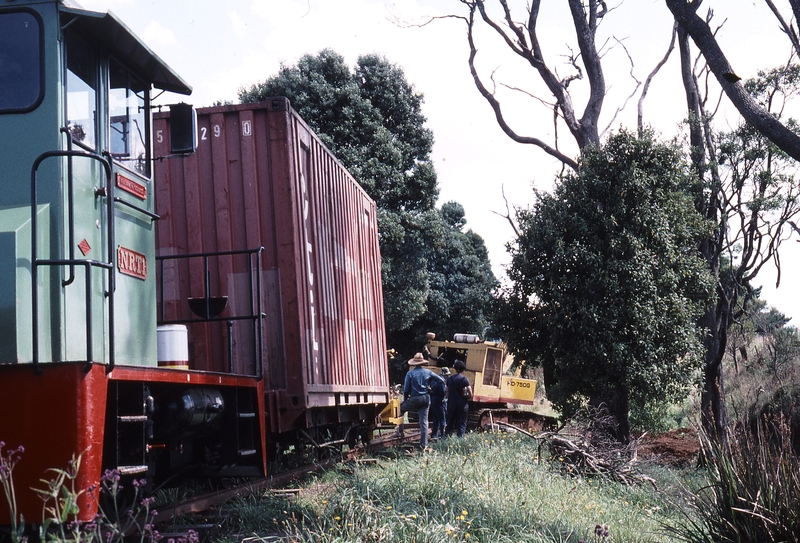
column 786, row 27
column 585, row 32
column 640, row 107
column 686, row 16
column 631, row 95
column 496, row 107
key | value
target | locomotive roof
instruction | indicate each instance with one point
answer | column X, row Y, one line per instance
column 124, row 44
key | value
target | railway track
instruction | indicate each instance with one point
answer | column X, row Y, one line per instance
column 197, row 505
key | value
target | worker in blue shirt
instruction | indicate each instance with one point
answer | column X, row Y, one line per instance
column 416, row 396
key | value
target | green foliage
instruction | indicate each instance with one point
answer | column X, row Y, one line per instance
column 656, row 417
column 370, row 119
column 607, row 284
column 437, row 278
column 114, row 523
column 765, row 355
column 459, row 275
column 435, row 275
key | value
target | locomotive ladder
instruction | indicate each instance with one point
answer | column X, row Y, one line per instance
column 129, row 408
column 242, row 435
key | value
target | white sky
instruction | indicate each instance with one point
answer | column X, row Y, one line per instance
column 221, row 45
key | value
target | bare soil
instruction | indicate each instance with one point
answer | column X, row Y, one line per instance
column 677, row 448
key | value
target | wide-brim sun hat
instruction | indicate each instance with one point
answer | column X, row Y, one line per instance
column 418, row 360
column 445, row 371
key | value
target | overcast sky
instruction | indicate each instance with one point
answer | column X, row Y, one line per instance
column 220, row 46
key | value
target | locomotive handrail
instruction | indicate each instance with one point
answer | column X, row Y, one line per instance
column 36, row 262
column 257, row 315
column 150, row 214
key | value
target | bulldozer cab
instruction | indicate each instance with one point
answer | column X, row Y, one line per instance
column 488, row 369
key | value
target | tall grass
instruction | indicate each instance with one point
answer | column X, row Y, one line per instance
column 485, row 487
column 754, row 494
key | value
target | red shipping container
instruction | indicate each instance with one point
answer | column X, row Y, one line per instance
column 262, row 178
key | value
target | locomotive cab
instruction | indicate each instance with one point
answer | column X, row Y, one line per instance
column 77, row 207
column 283, row 339
column 77, row 245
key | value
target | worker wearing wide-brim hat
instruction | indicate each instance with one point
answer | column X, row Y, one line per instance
column 416, row 396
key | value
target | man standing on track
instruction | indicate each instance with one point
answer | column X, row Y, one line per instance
column 416, row 395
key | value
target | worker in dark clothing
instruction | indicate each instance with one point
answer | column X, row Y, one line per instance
column 459, row 392
column 426, row 351
column 438, row 411
column 416, row 395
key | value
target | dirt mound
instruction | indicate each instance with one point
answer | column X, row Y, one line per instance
column 677, row 448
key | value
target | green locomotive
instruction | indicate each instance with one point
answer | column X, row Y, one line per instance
column 76, row 193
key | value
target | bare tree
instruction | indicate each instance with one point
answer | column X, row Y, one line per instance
column 752, row 202
column 522, row 38
column 753, row 210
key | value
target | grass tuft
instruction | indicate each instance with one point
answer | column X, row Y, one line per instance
column 484, row 487
column 754, row 491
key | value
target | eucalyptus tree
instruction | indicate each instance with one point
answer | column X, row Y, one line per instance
column 753, row 203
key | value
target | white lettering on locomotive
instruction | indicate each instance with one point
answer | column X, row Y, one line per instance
column 131, row 263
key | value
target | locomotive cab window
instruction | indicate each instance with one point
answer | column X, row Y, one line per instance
column 81, row 91
column 128, row 118
column 21, row 69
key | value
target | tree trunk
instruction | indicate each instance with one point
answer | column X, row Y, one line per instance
column 621, row 411
column 712, row 400
column 715, row 321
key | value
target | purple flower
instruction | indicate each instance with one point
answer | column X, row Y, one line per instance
column 111, row 476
